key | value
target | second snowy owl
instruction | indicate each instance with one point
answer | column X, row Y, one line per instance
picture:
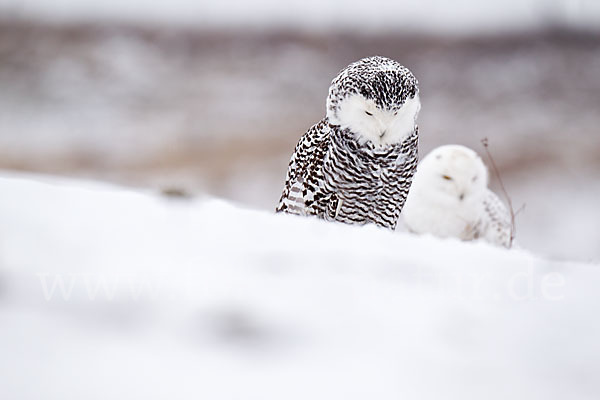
column 450, row 198
column 356, row 165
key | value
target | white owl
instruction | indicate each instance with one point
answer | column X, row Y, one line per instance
column 449, row 197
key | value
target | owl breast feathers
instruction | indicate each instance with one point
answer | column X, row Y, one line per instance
column 356, row 165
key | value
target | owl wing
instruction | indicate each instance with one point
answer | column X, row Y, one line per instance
column 410, row 151
column 496, row 225
column 304, row 190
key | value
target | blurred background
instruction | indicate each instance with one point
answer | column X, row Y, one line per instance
column 191, row 98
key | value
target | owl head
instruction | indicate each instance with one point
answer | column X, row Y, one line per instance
column 375, row 98
column 450, row 174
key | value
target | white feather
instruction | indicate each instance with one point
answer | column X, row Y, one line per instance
column 370, row 123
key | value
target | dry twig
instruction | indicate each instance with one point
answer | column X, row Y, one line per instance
column 513, row 214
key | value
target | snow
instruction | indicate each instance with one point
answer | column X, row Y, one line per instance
column 464, row 16
column 113, row 293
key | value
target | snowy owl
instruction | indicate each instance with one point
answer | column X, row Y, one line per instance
column 356, row 164
column 449, row 197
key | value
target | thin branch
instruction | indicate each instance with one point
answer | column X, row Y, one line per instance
column 513, row 214
column 520, row 209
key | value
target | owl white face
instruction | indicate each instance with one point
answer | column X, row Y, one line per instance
column 371, row 123
column 452, row 173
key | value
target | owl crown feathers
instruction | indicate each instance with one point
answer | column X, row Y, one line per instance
column 376, row 78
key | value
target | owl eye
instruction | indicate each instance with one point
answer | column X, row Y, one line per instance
column 446, row 177
column 368, row 113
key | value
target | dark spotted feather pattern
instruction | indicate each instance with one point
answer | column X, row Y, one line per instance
column 333, row 177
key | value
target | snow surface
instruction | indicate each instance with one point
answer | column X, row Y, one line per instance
column 461, row 16
column 111, row 293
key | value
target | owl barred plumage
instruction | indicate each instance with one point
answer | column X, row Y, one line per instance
column 356, row 165
column 495, row 225
column 450, row 198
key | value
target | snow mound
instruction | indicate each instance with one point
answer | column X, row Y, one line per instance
column 112, row 293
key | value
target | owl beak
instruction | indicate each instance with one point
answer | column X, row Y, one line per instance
column 382, row 134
